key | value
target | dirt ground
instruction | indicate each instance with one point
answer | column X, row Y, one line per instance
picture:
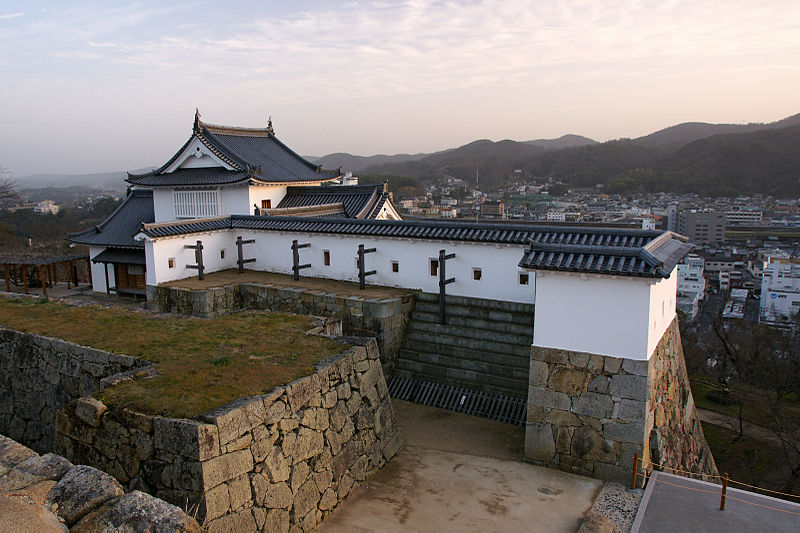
column 462, row 473
column 329, row 286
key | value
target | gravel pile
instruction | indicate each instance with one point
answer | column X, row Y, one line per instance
column 619, row 504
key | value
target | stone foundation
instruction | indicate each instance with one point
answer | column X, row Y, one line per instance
column 287, row 458
column 589, row 414
column 39, row 375
column 384, row 319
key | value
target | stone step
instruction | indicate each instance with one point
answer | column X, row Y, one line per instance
column 464, row 378
column 436, row 349
column 478, row 313
column 449, row 330
column 421, row 317
column 433, row 298
column 507, row 366
column 416, row 338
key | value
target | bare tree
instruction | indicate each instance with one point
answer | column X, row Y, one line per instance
column 7, row 191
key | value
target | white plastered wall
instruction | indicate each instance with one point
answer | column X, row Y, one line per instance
column 616, row 316
column 275, row 193
column 273, row 253
column 98, row 276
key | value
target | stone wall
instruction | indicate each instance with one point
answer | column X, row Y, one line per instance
column 39, row 375
column 589, row 414
column 48, row 493
column 268, row 462
column 673, row 434
column 385, row 319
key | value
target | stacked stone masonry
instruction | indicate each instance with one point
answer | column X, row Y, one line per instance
column 39, row 375
column 48, row 493
column 485, row 344
column 385, row 319
column 273, row 462
column 589, row 414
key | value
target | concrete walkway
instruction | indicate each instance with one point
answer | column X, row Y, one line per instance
column 461, row 473
column 672, row 504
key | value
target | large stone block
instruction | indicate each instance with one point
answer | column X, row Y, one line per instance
column 590, row 446
column 628, row 386
column 593, row 404
column 81, row 490
column 224, row 467
column 540, row 445
column 240, row 521
column 540, row 397
column 539, row 373
column 632, row 410
column 624, row 432
column 187, row 438
column 568, row 380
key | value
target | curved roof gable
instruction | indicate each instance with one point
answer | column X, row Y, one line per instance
column 251, row 153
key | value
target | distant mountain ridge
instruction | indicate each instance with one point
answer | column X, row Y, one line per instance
column 689, row 157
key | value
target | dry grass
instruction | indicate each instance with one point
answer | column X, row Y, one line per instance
column 202, row 363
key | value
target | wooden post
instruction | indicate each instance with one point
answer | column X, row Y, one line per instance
column 43, row 278
column 443, row 282
column 68, row 273
column 25, row 279
column 8, row 279
column 105, row 269
column 89, row 268
column 55, row 273
column 296, row 266
column 724, row 491
column 241, row 260
column 635, row 468
column 362, row 273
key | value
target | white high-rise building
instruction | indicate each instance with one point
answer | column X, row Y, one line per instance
column 691, row 285
column 780, row 293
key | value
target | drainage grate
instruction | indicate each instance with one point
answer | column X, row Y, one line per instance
column 492, row 406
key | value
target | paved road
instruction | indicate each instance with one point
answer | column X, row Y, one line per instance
column 728, row 421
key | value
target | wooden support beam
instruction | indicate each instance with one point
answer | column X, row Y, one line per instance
column 43, row 278
column 362, row 273
column 89, row 268
column 443, row 282
column 296, row 266
column 241, row 260
column 25, row 279
column 198, row 256
column 105, row 269
column 8, row 279
column 68, row 273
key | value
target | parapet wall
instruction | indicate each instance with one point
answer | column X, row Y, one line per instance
column 589, row 414
column 260, row 463
column 49, row 493
column 385, row 319
column 39, row 375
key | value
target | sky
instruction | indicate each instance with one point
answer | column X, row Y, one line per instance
column 94, row 87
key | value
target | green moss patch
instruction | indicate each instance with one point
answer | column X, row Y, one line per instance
column 202, row 363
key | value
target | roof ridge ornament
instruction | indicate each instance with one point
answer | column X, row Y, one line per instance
column 270, row 129
column 196, row 127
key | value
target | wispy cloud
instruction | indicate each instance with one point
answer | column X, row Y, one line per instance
column 12, row 15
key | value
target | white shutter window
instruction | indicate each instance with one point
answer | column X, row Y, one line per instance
column 196, row 204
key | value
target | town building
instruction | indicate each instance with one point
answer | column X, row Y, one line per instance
column 691, row 285
column 702, row 226
column 744, row 217
column 780, row 293
column 493, row 210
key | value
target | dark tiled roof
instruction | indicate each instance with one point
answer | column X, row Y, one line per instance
column 120, row 227
column 253, row 154
column 334, row 210
column 591, row 250
column 190, row 176
column 633, row 253
column 359, row 201
column 120, row 255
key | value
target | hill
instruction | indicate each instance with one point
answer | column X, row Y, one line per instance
column 357, row 163
column 674, row 137
column 764, row 160
column 565, row 141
